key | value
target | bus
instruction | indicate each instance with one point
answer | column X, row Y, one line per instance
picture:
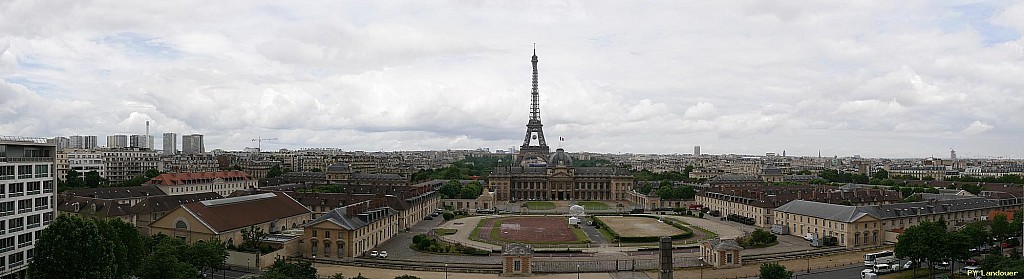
column 883, row 257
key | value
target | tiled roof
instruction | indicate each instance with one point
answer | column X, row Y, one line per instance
column 835, row 212
column 341, row 217
column 115, row 193
column 92, row 206
column 233, row 213
column 845, row 213
column 168, row 203
column 183, row 178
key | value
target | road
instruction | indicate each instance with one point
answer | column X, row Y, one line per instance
column 227, row 274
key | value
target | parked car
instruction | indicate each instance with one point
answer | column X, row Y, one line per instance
column 373, row 254
column 943, row 265
column 809, row 236
column 383, row 254
column 428, row 218
column 868, row 274
column 967, row 269
column 884, row 268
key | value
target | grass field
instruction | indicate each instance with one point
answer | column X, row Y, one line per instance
column 540, row 205
column 639, row 226
column 593, row 205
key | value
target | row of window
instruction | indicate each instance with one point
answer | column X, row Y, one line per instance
column 208, row 188
column 18, row 224
column 26, row 205
column 24, row 172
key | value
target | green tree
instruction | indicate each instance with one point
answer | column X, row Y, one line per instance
column 252, row 239
column 775, row 271
column 470, row 192
column 78, row 246
column 1000, row 227
column 73, row 180
column 977, row 234
column 451, row 189
column 166, row 260
column 274, row 171
column 206, row 255
column 290, row 270
column 93, row 179
column 918, row 243
column 880, row 174
column 151, row 173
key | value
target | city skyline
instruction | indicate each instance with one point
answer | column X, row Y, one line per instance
column 877, row 79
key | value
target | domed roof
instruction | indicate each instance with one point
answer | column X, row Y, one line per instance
column 560, row 159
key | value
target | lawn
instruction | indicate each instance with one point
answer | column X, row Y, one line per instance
column 593, row 205
column 540, row 205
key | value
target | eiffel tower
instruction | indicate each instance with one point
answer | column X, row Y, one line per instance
column 534, row 147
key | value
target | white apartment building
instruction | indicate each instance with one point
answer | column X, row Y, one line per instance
column 80, row 160
column 122, row 164
column 26, row 200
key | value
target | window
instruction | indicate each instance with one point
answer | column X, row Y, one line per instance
column 7, row 208
column 42, row 171
column 16, row 259
column 327, row 234
column 47, row 218
column 6, row 172
column 24, row 172
column 313, row 248
column 341, row 249
column 34, row 188
column 327, row 249
column 24, row 240
column 7, row 244
column 728, row 258
column 517, row 265
column 16, row 189
column 181, row 225
column 314, row 233
column 24, row 206
column 33, row 221
column 42, row 203
column 16, row 224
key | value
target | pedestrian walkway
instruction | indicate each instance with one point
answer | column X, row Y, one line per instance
column 373, row 273
column 798, row 266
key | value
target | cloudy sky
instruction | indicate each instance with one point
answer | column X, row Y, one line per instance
column 874, row 78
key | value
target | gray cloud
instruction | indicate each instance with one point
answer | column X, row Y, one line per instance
column 615, row 77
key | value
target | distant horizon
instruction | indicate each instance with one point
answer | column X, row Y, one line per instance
column 879, row 79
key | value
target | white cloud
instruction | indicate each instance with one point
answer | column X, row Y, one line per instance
column 978, row 127
column 614, row 77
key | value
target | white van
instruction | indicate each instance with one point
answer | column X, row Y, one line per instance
column 882, row 268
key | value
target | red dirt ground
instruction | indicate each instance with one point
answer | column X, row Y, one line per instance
column 531, row 230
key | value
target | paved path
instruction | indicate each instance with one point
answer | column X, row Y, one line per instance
column 373, row 273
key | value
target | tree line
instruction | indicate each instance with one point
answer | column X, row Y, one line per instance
column 930, row 242
column 77, row 247
column 454, row 189
column 92, row 179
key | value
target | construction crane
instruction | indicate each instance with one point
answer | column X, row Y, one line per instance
column 259, row 143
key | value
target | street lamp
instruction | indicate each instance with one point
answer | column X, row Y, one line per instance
column 808, row 264
column 446, row 271
column 701, row 267
column 577, row 271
